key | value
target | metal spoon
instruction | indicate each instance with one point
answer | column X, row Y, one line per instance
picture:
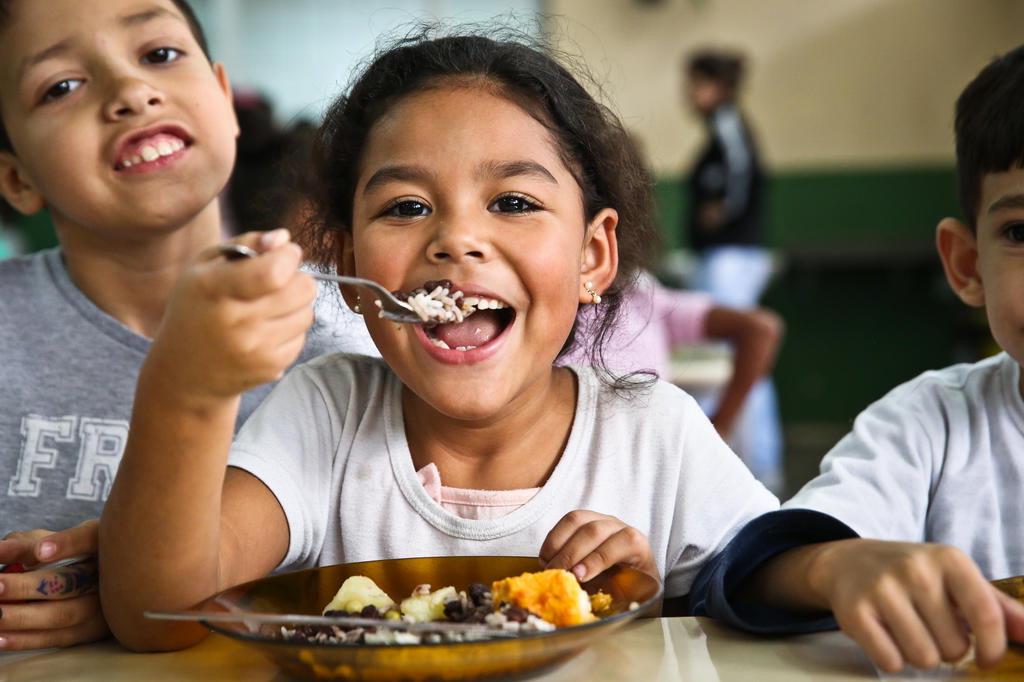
column 390, row 307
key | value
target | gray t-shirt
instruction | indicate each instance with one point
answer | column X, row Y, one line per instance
column 67, row 381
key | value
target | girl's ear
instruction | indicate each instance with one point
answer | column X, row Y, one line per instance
column 16, row 188
column 221, row 74
column 347, row 266
column 958, row 249
column 600, row 258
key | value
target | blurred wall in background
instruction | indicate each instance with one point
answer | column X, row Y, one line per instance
column 838, row 82
column 301, row 53
column 852, row 101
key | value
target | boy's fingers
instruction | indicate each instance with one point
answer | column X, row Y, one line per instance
column 1013, row 615
column 82, row 540
column 910, row 633
column 979, row 603
column 27, row 534
column 946, row 628
column 865, row 629
column 49, row 615
column 61, row 583
column 583, row 542
column 563, row 530
column 17, row 551
column 82, row 633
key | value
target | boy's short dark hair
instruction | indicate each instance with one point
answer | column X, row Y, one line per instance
column 182, row 5
column 989, row 128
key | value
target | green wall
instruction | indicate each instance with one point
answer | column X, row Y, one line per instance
column 860, row 288
column 834, row 208
column 36, row 231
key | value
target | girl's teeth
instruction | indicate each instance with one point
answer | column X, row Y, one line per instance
column 164, row 148
column 441, row 344
column 482, row 303
column 149, row 153
column 136, row 159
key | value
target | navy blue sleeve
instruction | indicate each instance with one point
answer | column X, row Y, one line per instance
column 760, row 540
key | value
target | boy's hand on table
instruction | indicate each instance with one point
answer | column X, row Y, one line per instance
column 50, row 607
column 233, row 325
column 917, row 604
column 588, row 543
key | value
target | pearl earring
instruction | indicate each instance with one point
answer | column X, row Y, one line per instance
column 356, row 308
column 595, row 297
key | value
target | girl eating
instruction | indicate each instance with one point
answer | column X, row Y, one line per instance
column 478, row 161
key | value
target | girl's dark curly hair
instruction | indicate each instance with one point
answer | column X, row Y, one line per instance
column 591, row 142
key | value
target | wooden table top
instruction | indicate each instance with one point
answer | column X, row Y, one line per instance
column 663, row 649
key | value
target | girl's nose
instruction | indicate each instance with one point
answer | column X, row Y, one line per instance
column 454, row 242
column 131, row 97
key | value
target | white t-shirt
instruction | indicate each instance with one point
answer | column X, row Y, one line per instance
column 939, row 459
column 330, row 444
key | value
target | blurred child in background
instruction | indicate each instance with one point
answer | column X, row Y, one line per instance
column 655, row 320
column 725, row 229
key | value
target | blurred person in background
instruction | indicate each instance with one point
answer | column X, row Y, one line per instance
column 725, row 226
column 655, row 320
column 262, row 189
column 269, row 189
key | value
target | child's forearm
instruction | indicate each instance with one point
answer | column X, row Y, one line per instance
column 755, row 337
column 796, row 580
column 159, row 534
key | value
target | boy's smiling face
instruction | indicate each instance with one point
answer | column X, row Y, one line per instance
column 987, row 268
column 118, row 123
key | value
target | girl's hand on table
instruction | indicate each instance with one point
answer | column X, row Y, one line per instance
column 917, row 604
column 44, row 607
column 588, row 543
column 233, row 325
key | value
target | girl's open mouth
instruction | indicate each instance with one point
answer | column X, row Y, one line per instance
column 481, row 329
column 460, row 326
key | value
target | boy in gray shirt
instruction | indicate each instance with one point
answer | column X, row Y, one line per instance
column 115, row 120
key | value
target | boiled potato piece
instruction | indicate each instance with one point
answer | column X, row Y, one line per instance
column 427, row 607
column 358, row 592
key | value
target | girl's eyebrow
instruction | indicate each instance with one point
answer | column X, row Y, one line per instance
column 492, row 169
column 397, row 174
column 511, row 169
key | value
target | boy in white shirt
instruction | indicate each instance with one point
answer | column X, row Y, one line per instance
column 940, row 459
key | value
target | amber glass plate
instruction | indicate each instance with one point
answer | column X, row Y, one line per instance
column 308, row 591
